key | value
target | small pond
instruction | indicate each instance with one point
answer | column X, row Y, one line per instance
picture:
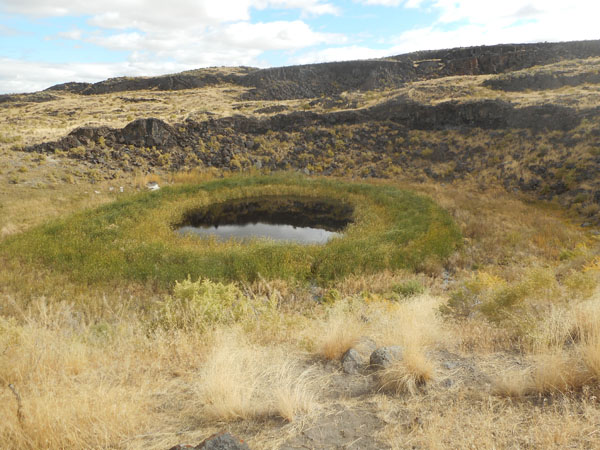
column 303, row 220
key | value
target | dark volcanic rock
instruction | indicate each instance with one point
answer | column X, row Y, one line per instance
column 383, row 357
column 315, row 80
column 540, row 81
column 148, row 133
column 36, row 97
column 220, row 441
column 174, row 82
column 75, row 87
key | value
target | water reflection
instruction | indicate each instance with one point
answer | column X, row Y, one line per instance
column 289, row 233
column 305, row 220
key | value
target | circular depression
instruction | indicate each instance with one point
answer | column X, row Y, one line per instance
column 303, row 220
column 133, row 239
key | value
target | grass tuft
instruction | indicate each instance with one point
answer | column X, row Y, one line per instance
column 407, row 375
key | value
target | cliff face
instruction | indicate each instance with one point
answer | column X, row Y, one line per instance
column 315, row 80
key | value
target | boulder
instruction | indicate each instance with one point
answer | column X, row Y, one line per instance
column 383, row 357
column 352, row 361
column 219, row 441
column 148, row 133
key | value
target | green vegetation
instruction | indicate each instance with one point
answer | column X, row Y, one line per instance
column 133, row 239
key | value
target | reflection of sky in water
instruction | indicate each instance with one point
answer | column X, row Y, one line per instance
column 302, row 235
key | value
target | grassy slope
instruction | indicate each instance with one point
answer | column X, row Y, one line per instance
column 132, row 239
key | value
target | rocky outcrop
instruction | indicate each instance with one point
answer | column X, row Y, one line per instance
column 463, row 140
column 186, row 80
column 315, row 80
column 540, row 81
column 148, row 133
column 219, row 441
column 495, row 59
column 488, row 114
column 36, row 97
column 327, row 79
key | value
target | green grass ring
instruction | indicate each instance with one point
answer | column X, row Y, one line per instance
column 133, row 239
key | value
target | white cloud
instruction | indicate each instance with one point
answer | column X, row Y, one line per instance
column 308, row 7
column 276, row 35
column 406, row 3
column 149, row 14
column 382, row 2
column 347, row 53
column 509, row 21
column 186, row 33
column 163, row 37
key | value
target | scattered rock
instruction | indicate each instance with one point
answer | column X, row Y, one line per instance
column 365, row 346
column 384, row 356
column 219, row 441
column 153, row 186
column 450, row 365
column 447, row 383
column 352, row 361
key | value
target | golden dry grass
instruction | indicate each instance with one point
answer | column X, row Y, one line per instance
column 407, row 375
column 240, row 380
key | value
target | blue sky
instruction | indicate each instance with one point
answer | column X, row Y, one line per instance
column 43, row 43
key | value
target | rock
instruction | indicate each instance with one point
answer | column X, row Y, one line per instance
column 365, row 346
column 447, row 383
column 352, row 361
column 586, row 225
column 449, row 365
column 153, row 186
column 384, row 356
column 219, row 441
column 148, row 133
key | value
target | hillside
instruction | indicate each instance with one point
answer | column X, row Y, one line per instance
column 366, row 115
column 472, row 175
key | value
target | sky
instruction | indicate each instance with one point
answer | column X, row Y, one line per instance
column 43, row 43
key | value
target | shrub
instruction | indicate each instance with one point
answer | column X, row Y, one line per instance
column 196, row 305
column 408, row 288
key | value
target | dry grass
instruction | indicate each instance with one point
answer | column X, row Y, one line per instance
column 438, row 421
column 242, row 381
column 407, row 375
column 76, row 386
column 338, row 332
column 413, row 324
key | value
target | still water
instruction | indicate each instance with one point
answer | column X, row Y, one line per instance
column 289, row 233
